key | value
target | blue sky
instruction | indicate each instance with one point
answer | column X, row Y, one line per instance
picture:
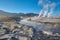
column 24, row 6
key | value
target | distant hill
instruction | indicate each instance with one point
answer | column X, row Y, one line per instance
column 3, row 13
column 7, row 16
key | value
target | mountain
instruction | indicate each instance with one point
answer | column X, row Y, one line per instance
column 3, row 13
column 28, row 14
column 31, row 14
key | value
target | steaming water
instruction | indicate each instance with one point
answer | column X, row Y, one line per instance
column 38, row 26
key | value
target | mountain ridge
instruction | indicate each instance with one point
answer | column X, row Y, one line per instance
column 3, row 13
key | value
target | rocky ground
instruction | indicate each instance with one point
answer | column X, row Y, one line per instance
column 14, row 31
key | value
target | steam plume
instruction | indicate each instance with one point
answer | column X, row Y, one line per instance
column 40, row 13
column 46, row 5
column 45, row 10
column 52, row 6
